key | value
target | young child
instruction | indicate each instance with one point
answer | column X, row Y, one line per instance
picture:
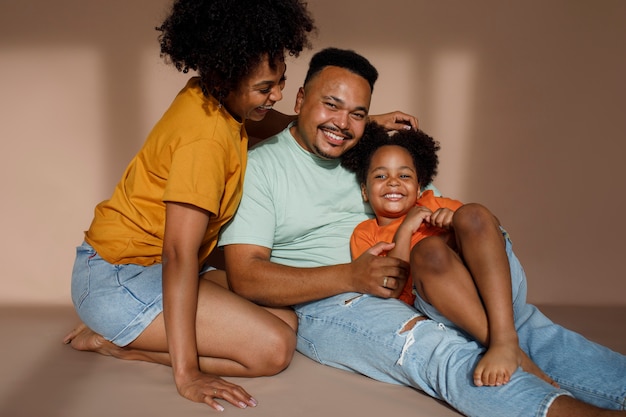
column 458, row 253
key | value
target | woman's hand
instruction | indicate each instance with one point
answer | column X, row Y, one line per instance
column 205, row 388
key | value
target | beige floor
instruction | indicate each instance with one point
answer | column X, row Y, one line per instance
column 41, row 377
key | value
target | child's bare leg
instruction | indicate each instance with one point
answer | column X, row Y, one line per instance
column 482, row 247
column 442, row 280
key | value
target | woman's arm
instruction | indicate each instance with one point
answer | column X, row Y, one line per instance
column 272, row 124
column 184, row 229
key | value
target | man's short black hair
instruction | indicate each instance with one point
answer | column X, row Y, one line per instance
column 342, row 58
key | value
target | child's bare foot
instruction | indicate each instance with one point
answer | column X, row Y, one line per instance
column 497, row 365
column 531, row 367
column 83, row 338
column 500, row 362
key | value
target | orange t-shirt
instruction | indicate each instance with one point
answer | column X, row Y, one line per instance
column 368, row 233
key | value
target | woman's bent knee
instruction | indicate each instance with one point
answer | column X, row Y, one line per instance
column 275, row 353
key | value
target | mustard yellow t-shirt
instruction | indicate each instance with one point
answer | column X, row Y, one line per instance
column 195, row 154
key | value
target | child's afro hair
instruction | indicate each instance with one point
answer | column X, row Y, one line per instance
column 422, row 148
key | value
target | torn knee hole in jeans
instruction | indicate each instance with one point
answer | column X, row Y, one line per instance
column 410, row 338
column 350, row 300
column 410, row 324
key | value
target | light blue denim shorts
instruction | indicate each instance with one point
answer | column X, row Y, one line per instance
column 116, row 301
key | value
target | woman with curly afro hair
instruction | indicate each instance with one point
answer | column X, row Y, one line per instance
column 141, row 284
column 458, row 253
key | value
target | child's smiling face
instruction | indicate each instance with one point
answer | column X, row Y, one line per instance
column 392, row 186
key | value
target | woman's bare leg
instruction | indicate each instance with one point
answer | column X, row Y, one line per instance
column 235, row 337
column 286, row 314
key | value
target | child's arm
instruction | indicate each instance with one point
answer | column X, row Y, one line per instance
column 442, row 217
column 365, row 239
column 413, row 220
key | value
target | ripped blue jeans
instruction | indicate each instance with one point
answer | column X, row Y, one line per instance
column 367, row 335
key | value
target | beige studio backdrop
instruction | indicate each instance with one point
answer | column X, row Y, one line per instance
column 528, row 99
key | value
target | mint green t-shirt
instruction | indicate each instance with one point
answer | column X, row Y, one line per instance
column 302, row 207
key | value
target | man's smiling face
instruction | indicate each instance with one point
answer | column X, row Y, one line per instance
column 332, row 111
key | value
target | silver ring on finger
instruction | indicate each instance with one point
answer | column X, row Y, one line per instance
column 385, row 282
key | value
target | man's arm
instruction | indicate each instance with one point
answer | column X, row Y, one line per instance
column 252, row 275
column 276, row 121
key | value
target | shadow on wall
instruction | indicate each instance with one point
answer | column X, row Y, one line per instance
column 521, row 96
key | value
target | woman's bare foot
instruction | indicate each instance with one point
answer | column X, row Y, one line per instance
column 85, row 339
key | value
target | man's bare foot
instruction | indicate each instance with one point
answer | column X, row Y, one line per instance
column 531, row 367
column 85, row 339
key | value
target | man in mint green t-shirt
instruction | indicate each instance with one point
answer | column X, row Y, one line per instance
column 288, row 245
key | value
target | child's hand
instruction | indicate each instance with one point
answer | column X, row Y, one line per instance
column 442, row 218
column 415, row 217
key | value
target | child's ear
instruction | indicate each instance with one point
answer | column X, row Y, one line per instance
column 364, row 192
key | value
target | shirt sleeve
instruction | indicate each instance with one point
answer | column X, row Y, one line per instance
column 197, row 175
column 434, row 189
column 362, row 239
column 255, row 220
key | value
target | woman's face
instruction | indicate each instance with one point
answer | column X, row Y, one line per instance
column 257, row 93
column 391, row 186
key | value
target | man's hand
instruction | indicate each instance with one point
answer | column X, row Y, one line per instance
column 396, row 120
column 382, row 276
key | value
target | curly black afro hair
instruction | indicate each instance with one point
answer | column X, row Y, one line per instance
column 223, row 40
column 423, row 150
